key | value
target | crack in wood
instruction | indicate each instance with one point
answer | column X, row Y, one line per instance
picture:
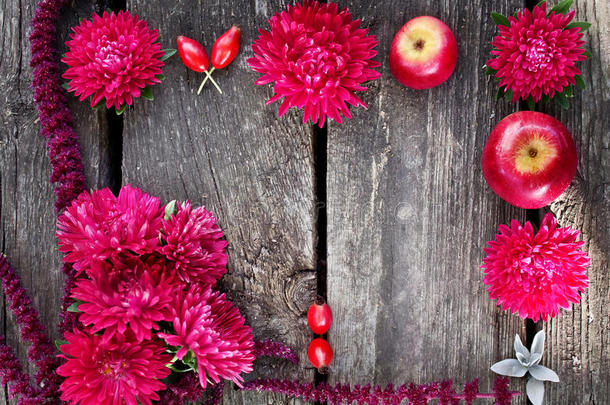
column 320, row 167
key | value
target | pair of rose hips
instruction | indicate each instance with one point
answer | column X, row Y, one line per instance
column 319, row 318
column 195, row 57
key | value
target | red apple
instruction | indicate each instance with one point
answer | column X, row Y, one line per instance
column 529, row 159
column 423, row 53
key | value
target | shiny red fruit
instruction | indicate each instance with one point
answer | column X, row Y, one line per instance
column 319, row 317
column 226, row 48
column 193, row 54
column 423, row 53
column 320, row 354
column 529, row 159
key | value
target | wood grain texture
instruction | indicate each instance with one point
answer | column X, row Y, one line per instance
column 409, row 214
column 27, row 214
column 579, row 341
column 232, row 154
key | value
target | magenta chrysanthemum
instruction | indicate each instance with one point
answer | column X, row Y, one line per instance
column 318, row 57
column 113, row 57
column 117, row 299
column 115, row 372
column 99, row 226
column 536, row 55
column 193, row 241
column 207, row 324
column 536, row 274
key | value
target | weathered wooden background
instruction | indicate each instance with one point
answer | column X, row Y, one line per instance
column 387, row 214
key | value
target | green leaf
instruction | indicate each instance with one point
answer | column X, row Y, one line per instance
column 508, row 96
column 74, row 306
column 121, row 110
column 583, row 25
column 588, row 54
column 161, row 77
column 66, row 85
column 568, row 91
column 100, row 104
column 541, row 3
column 563, row 7
column 489, row 71
column 546, row 99
column 147, row 93
column 531, row 104
column 561, row 99
column 500, row 93
column 179, row 370
column 500, row 19
column 58, row 343
column 580, row 82
column 170, row 209
column 168, row 54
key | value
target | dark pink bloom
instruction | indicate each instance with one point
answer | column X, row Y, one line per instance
column 100, row 226
column 207, row 324
column 193, row 241
column 118, row 299
column 536, row 55
column 536, row 274
column 317, row 57
column 120, row 371
column 112, row 58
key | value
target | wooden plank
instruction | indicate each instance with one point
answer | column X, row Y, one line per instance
column 409, row 214
column 578, row 341
column 27, row 214
column 232, row 154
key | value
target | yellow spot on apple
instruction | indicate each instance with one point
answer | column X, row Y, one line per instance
column 419, row 44
column 534, row 154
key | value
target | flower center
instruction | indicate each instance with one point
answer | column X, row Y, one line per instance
column 538, row 54
column 112, row 56
column 112, row 368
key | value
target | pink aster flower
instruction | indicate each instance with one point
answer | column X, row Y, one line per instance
column 113, row 57
column 118, row 299
column 193, row 241
column 536, row 55
column 115, row 372
column 318, row 57
column 99, row 226
column 207, row 324
column 536, row 274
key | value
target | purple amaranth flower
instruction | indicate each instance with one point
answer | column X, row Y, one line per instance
column 42, row 351
column 55, row 117
column 186, row 388
column 11, row 372
column 278, row 350
column 216, row 393
column 414, row 393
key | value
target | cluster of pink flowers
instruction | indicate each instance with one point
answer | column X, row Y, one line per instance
column 146, row 300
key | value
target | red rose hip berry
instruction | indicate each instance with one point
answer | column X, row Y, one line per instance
column 320, row 354
column 319, row 316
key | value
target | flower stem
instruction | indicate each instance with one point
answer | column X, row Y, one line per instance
column 208, row 75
